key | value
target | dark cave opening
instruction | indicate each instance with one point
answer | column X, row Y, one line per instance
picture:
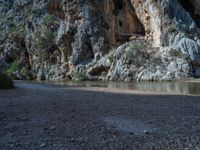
column 128, row 23
column 187, row 5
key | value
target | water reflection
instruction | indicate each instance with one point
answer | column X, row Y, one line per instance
column 194, row 88
column 179, row 87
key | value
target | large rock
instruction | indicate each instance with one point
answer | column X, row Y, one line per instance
column 5, row 82
column 189, row 47
column 128, row 58
column 169, row 65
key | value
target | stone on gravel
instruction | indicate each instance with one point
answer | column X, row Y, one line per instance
column 42, row 145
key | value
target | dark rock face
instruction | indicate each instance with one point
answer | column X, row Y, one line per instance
column 193, row 7
column 58, row 39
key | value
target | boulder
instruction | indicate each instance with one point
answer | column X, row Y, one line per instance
column 5, row 82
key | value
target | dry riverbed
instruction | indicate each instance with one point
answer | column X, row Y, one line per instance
column 48, row 117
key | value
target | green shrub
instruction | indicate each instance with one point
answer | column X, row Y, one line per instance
column 28, row 10
column 49, row 19
column 111, row 56
column 136, row 55
column 175, row 53
column 171, row 30
column 41, row 46
column 44, row 39
column 24, row 71
column 9, row 4
column 50, row 36
column 80, row 75
column 129, row 55
column 5, row 82
column 13, row 67
column 153, row 1
column 136, row 47
column 104, row 74
column 189, row 59
column 18, row 29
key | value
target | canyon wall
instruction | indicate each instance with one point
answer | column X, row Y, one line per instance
column 100, row 39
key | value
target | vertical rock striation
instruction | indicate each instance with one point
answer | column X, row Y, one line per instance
column 101, row 39
column 89, row 27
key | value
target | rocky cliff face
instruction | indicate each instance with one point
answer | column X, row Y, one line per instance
column 91, row 27
column 100, row 39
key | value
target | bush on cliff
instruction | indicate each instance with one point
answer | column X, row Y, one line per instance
column 13, row 67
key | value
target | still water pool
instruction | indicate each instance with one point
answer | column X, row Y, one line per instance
column 178, row 87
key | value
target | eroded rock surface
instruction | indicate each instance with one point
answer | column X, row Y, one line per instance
column 100, row 39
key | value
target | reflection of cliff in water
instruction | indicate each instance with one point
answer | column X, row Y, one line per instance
column 194, row 88
column 176, row 87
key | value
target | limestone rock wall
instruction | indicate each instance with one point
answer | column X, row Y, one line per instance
column 149, row 14
column 89, row 27
column 100, row 39
column 163, row 17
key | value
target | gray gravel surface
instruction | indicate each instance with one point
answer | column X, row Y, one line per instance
column 48, row 117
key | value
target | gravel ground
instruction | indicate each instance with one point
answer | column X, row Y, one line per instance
column 49, row 117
